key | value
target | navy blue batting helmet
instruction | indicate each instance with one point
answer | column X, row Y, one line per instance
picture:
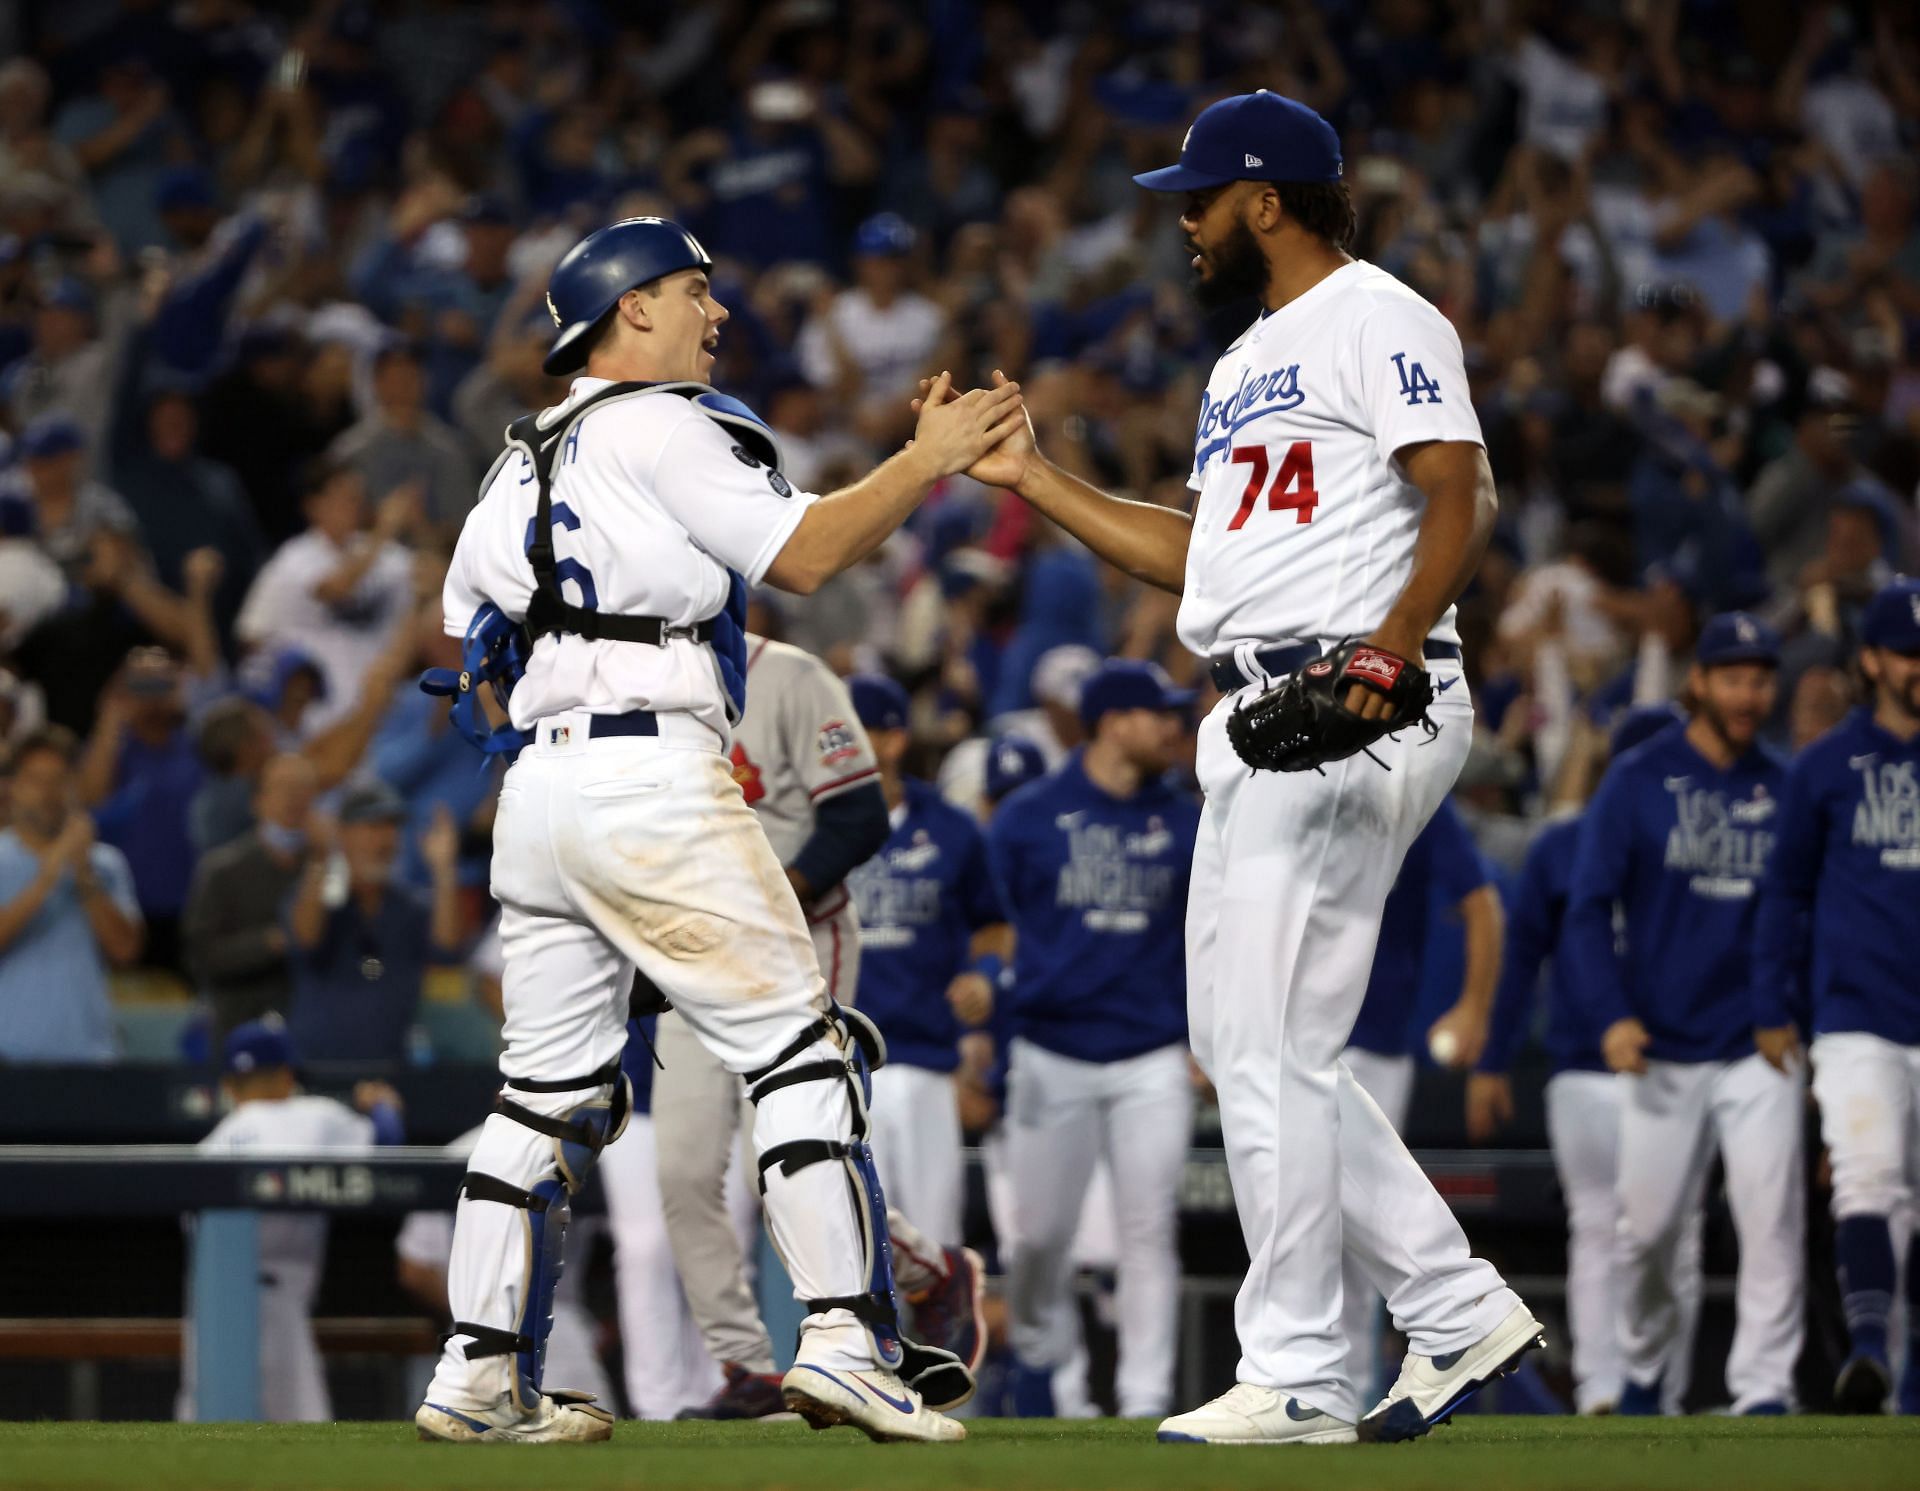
column 589, row 281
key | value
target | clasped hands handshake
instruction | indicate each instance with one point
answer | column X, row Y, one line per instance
column 985, row 432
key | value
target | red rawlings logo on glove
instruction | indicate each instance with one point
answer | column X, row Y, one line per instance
column 1374, row 668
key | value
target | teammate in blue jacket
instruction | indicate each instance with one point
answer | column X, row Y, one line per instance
column 1675, row 841
column 934, row 942
column 1583, row 1107
column 1093, row 863
column 1836, row 911
column 1443, row 864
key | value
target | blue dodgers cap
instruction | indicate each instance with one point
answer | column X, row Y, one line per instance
column 1124, row 683
column 1892, row 618
column 258, row 1046
column 1251, row 137
column 1642, row 722
column 51, row 435
column 1012, row 761
column 885, row 235
column 879, row 701
column 1737, row 637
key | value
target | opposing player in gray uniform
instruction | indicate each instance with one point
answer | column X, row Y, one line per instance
column 806, row 767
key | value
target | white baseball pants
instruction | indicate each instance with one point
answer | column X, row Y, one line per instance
column 1868, row 1089
column 1061, row 1115
column 1290, row 877
column 1388, row 1080
column 1672, row 1117
column 916, row 1146
column 668, row 1367
column 1583, row 1126
column 641, row 851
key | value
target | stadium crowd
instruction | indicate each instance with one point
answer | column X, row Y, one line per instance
column 271, row 286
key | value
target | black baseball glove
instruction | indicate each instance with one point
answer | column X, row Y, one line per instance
column 1303, row 722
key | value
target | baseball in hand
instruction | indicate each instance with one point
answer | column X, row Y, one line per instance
column 1444, row 1047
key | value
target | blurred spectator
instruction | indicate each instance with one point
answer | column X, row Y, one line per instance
column 74, row 358
column 236, row 945
column 866, row 347
column 337, row 591
column 56, row 502
column 138, row 775
column 1790, row 497
column 263, row 419
column 234, row 739
column 182, row 501
column 401, row 446
column 125, row 134
column 1054, row 725
column 67, row 912
column 32, row 162
column 361, row 939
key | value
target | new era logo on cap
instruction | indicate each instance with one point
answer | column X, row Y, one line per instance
column 1255, row 161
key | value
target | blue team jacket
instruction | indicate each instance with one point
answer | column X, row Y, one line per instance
column 921, row 899
column 1842, row 891
column 1443, row 866
column 1678, row 847
column 1097, row 891
column 1536, row 914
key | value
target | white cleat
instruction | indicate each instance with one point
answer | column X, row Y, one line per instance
column 872, row 1400
column 1246, row 1414
column 1429, row 1388
column 561, row 1418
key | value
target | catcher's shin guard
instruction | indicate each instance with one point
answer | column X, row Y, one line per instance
column 534, row 1153
column 798, row 1097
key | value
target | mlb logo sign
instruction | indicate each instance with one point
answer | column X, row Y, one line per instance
column 559, row 735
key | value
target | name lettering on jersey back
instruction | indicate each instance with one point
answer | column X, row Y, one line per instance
column 1117, row 878
column 1887, row 816
column 1719, row 844
column 1272, row 392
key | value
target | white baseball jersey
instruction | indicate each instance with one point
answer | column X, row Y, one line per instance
column 299, row 1123
column 652, row 504
column 1304, row 525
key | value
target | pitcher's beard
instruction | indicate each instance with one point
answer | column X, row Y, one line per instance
column 1240, row 271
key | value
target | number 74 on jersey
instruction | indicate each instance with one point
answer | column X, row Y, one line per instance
column 1292, row 487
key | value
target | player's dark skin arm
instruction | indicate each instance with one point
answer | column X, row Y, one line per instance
column 1457, row 482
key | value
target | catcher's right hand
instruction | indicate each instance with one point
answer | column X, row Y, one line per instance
column 1302, row 722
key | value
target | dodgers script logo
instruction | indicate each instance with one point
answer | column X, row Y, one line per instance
column 1259, row 393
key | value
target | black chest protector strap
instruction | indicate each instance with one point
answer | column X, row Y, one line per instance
column 549, row 610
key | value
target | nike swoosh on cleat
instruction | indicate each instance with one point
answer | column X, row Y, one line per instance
column 905, row 1405
column 454, row 1413
column 808, row 1366
column 1300, row 1413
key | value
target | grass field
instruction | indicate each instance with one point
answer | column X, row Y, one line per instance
column 1476, row 1454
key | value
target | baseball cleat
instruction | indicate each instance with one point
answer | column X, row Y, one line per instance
column 1862, row 1386
column 1246, row 1414
column 1430, row 1388
column 561, row 1418
column 745, row 1395
column 872, row 1400
column 1641, row 1400
column 952, row 1314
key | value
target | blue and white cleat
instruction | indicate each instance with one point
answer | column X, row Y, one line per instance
column 870, row 1399
column 560, row 1418
column 1430, row 1388
column 1246, row 1414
